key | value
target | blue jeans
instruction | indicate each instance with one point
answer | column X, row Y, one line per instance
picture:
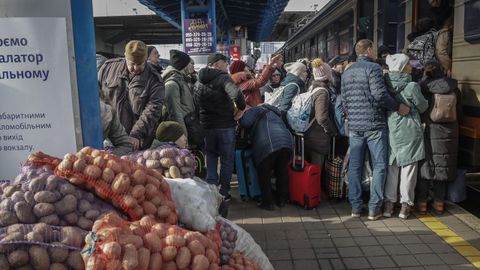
column 377, row 143
column 220, row 142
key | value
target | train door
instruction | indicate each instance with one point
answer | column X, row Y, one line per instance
column 365, row 19
column 387, row 23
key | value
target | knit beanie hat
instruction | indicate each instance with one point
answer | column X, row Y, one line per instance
column 295, row 68
column 178, row 59
column 149, row 50
column 169, row 131
column 397, row 62
column 237, row 66
column 321, row 70
column 136, row 51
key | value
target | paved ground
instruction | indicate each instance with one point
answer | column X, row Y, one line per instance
column 328, row 238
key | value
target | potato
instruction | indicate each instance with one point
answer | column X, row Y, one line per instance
column 114, row 166
column 35, row 237
column 72, row 236
column 163, row 211
column 138, row 191
column 112, row 250
column 57, row 266
column 14, row 236
column 92, row 172
column 121, row 183
column 84, row 223
column 152, row 242
column 185, row 170
column 66, row 205
column 170, row 266
column 76, row 181
column 139, row 177
column 183, row 258
column 45, row 197
column 149, row 208
column 84, row 206
column 96, row 153
column 18, row 196
column 7, row 204
column 200, row 262
column 130, row 257
column 134, row 240
column 143, row 258
column 158, row 200
column 15, row 228
column 18, row 258
column 150, row 191
column 108, row 175
column 175, row 240
column 75, row 260
column 174, row 172
column 138, row 212
column 152, row 164
column 24, row 213
column 4, row 262
column 43, row 229
column 130, row 202
column 164, row 187
column 52, row 183
column 167, row 174
column 65, row 165
column 39, row 257
column 169, row 253
column 155, row 261
column 211, row 255
column 79, row 165
column 153, row 181
column 92, row 214
column 25, row 267
column 189, row 161
column 168, row 152
column 57, row 255
column 99, row 161
column 147, row 154
column 167, row 162
column 141, row 160
column 36, row 184
column 196, row 248
column 126, row 168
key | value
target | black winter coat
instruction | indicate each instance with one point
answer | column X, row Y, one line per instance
column 270, row 134
column 441, row 139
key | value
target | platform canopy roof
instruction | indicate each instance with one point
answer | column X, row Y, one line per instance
column 258, row 16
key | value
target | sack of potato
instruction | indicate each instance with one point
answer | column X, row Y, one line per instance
column 196, row 202
column 229, row 237
column 147, row 244
column 127, row 185
column 38, row 196
column 246, row 245
column 40, row 159
column 170, row 161
column 41, row 247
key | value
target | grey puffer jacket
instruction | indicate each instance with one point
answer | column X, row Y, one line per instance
column 137, row 99
column 441, row 139
column 178, row 96
column 365, row 96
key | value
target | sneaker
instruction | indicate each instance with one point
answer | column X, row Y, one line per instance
column 223, row 209
column 227, row 198
column 374, row 215
column 388, row 209
column 404, row 211
column 356, row 213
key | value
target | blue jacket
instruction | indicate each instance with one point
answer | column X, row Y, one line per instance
column 290, row 91
column 270, row 134
column 365, row 96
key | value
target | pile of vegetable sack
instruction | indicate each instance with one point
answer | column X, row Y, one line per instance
column 41, row 247
column 38, row 196
column 170, row 161
column 137, row 190
column 147, row 244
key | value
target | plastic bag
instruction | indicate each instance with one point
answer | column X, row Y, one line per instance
column 196, row 201
column 146, row 244
column 248, row 247
column 41, row 246
column 129, row 186
column 37, row 195
column 170, row 161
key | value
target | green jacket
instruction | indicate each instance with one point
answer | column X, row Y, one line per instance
column 114, row 132
column 406, row 143
column 178, row 96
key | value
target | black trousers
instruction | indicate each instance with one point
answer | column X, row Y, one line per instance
column 423, row 187
column 278, row 162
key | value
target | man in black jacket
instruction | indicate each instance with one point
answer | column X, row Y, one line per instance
column 220, row 103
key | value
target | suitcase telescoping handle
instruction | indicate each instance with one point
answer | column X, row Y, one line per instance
column 299, row 140
column 333, row 148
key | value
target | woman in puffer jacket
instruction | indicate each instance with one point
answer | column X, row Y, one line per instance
column 405, row 134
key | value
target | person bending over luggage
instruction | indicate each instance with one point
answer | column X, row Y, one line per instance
column 317, row 137
column 170, row 132
column 271, row 149
column 441, row 138
column 405, row 136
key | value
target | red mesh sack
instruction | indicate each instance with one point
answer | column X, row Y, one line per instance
column 136, row 190
column 146, row 244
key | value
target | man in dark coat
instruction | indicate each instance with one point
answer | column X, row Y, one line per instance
column 135, row 91
column 271, row 148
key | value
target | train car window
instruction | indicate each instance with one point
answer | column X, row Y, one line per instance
column 401, row 26
column 471, row 21
column 322, row 45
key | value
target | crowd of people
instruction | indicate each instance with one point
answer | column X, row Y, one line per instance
column 389, row 116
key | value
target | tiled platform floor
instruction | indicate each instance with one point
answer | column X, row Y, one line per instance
column 329, row 238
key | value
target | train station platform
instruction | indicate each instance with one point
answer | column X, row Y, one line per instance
column 329, row 238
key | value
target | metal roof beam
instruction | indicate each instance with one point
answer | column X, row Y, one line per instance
column 160, row 13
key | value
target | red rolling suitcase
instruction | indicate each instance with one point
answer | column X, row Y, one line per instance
column 303, row 178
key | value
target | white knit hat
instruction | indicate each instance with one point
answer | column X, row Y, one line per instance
column 295, row 68
column 396, row 62
column 322, row 72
